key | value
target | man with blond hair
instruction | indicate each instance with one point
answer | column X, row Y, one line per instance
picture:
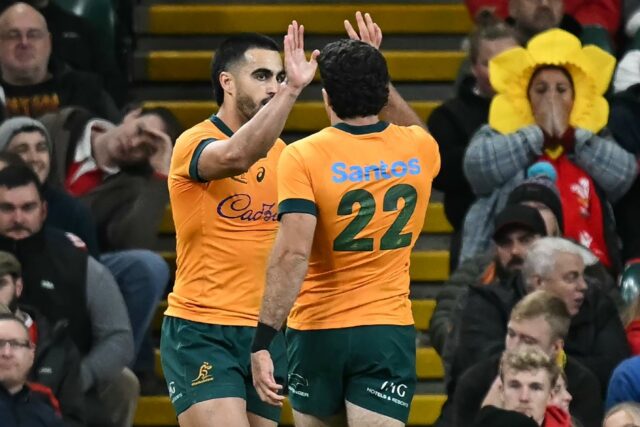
column 527, row 377
column 539, row 319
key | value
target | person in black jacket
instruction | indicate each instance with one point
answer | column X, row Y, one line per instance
column 64, row 283
column 454, row 122
column 539, row 319
column 57, row 360
column 141, row 274
column 18, row 406
column 34, row 82
column 596, row 336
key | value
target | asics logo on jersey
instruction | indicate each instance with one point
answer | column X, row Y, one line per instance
column 238, row 206
column 359, row 173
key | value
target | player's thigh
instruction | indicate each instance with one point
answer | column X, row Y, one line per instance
column 200, row 365
column 381, row 370
column 261, row 413
column 306, row 420
column 360, row 417
column 316, row 361
column 222, row 412
column 258, row 421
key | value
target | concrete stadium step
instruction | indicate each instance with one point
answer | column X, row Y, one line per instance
column 189, row 19
column 422, row 311
column 157, row 411
column 194, row 65
column 426, row 266
column 428, row 364
column 435, row 221
column 306, row 116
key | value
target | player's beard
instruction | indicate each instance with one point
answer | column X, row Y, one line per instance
column 247, row 107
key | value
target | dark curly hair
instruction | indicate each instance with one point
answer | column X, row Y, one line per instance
column 231, row 51
column 356, row 78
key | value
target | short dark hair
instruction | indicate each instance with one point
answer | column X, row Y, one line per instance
column 13, row 318
column 173, row 128
column 355, row 77
column 18, row 176
column 231, row 51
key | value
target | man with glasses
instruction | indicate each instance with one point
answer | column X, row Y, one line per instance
column 34, row 83
column 17, row 352
column 56, row 369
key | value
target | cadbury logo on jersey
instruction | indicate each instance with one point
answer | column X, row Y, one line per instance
column 238, row 206
column 357, row 173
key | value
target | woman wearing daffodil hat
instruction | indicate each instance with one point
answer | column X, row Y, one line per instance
column 549, row 107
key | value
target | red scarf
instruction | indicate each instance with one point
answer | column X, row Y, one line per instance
column 556, row 417
column 581, row 206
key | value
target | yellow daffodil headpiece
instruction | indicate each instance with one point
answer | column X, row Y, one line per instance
column 590, row 68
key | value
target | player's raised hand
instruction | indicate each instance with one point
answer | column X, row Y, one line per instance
column 370, row 32
column 300, row 72
column 263, row 380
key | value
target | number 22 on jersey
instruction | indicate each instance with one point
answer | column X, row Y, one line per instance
column 392, row 238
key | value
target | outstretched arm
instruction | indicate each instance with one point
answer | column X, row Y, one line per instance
column 233, row 156
column 397, row 110
column 285, row 274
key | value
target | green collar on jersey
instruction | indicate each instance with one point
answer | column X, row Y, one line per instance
column 220, row 125
column 362, row 130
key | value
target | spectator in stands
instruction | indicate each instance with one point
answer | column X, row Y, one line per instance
column 539, row 193
column 120, row 172
column 546, row 112
column 57, row 361
column 63, row 282
column 454, row 122
column 516, row 228
column 627, row 72
column 624, row 385
column 75, row 41
column 596, row 336
column 35, row 83
column 625, row 414
column 631, row 319
column 527, row 376
column 18, row 407
column 141, row 275
column 28, row 138
column 625, row 127
column 539, row 319
column 560, row 396
column 531, row 18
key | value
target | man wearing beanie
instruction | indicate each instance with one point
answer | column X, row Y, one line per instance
column 29, row 139
column 141, row 274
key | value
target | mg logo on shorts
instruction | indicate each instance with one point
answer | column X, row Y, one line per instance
column 203, row 375
column 399, row 389
column 391, row 392
column 297, row 382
